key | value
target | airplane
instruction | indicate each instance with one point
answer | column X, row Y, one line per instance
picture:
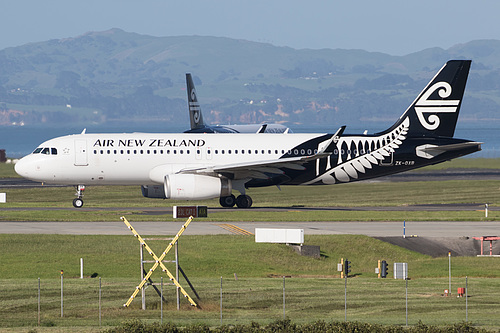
column 198, row 126
column 196, row 166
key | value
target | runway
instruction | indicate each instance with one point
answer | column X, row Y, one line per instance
column 197, row 227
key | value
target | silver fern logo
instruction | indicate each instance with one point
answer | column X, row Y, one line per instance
column 358, row 161
column 425, row 105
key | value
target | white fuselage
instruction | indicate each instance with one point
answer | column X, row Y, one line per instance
column 145, row 158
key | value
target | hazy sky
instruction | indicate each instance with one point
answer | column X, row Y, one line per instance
column 396, row 27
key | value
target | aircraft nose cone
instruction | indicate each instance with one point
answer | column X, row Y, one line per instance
column 21, row 167
column 26, row 167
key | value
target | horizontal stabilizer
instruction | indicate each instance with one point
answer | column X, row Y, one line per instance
column 430, row 151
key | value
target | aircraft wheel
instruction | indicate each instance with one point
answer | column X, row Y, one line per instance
column 244, row 201
column 77, row 203
column 228, row 201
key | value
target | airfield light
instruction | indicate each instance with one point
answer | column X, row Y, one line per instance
column 385, row 269
column 347, row 268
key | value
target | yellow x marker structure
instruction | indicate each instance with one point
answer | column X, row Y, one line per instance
column 158, row 261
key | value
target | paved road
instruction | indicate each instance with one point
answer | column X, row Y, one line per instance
column 375, row 229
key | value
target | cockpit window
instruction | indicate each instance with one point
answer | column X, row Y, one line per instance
column 45, row 151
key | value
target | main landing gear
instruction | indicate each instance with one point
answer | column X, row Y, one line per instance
column 242, row 201
column 78, row 201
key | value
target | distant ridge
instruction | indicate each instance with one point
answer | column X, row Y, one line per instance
column 116, row 75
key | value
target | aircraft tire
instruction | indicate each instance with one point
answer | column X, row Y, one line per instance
column 77, row 203
column 244, row 201
column 228, row 201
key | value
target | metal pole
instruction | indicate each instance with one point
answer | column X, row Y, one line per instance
column 143, row 291
column 221, row 300
column 284, row 312
column 81, row 268
column 161, row 299
column 177, row 273
column 38, row 301
column 345, row 297
column 449, row 273
column 486, row 210
column 100, row 301
column 62, row 274
column 466, row 304
column 406, row 279
column 404, row 229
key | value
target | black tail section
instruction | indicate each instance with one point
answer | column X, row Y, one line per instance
column 435, row 111
column 195, row 116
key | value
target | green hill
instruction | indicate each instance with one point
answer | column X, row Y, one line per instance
column 120, row 76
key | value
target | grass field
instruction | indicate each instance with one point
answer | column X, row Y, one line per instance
column 314, row 290
column 127, row 200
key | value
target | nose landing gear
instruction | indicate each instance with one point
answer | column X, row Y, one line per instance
column 78, row 201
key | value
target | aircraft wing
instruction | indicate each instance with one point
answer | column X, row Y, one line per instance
column 259, row 169
column 263, row 169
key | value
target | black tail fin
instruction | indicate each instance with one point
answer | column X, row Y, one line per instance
column 435, row 111
column 195, row 116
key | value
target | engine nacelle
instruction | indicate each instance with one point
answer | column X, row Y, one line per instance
column 196, row 187
column 153, row 191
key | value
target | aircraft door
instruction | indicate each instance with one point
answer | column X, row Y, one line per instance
column 81, row 153
column 209, row 153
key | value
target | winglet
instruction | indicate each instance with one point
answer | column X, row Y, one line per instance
column 262, row 129
column 327, row 146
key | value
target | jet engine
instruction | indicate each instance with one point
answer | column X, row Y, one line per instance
column 196, row 187
column 153, row 191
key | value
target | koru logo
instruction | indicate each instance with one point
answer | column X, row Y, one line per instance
column 426, row 105
column 194, row 106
